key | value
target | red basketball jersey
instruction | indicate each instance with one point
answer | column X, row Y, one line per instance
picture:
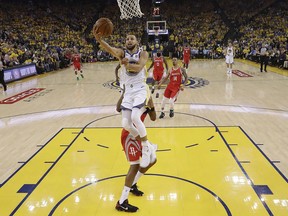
column 186, row 52
column 76, row 59
column 158, row 64
column 175, row 78
column 132, row 148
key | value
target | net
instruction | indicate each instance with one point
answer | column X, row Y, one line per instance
column 129, row 9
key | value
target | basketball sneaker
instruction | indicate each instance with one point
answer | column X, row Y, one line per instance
column 146, row 153
column 171, row 114
column 162, row 115
column 134, row 190
column 125, row 206
column 152, row 90
column 82, row 75
column 77, row 78
column 157, row 95
column 153, row 156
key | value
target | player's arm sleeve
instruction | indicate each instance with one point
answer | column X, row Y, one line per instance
column 116, row 52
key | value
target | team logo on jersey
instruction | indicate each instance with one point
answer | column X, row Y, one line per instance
column 193, row 82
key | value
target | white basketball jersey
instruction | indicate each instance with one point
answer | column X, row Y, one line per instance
column 230, row 51
column 132, row 77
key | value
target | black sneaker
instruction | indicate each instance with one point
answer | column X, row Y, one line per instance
column 125, row 206
column 82, row 75
column 134, row 190
column 162, row 115
column 152, row 91
column 171, row 114
column 157, row 95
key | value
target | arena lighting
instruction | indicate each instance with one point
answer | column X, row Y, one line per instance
column 157, row 1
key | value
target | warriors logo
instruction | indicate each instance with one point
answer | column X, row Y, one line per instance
column 193, row 82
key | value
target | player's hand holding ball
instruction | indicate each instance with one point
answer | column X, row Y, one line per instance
column 102, row 28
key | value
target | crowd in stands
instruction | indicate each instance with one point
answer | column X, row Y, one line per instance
column 44, row 32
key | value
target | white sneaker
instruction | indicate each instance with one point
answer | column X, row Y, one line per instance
column 153, row 156
column 146, row 154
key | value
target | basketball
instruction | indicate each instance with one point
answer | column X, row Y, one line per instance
column 103, row 26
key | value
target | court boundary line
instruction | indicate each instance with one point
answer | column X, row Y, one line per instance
column 148, row 174
column 113, row 105
column 82, row 131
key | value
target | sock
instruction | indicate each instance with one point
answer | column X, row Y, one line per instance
column 125, row 194
column 138, row 175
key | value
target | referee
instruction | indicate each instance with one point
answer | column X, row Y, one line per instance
column 2, row 81
column 263, row 58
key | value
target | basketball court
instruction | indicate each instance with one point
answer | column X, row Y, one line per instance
column 223, row 153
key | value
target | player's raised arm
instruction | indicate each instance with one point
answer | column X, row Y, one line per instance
column 116, row 52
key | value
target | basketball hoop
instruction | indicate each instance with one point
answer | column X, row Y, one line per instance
column 129, row 9
column 156, row 32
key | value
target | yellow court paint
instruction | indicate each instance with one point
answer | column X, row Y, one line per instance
column 200, row 171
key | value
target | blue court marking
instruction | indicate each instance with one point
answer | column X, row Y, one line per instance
column 276, row 161
column 245, row 173
column 216, row 128
column 27, row 188
column 262, row 189
column 54, row 163
column 280, row 173
column 228, row 212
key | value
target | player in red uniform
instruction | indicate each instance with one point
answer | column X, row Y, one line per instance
column 76, row 59
column 133, row 151
column 186, row 56
column 158, row 70
column 174, row 86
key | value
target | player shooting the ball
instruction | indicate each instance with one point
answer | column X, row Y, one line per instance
column 133, row 61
